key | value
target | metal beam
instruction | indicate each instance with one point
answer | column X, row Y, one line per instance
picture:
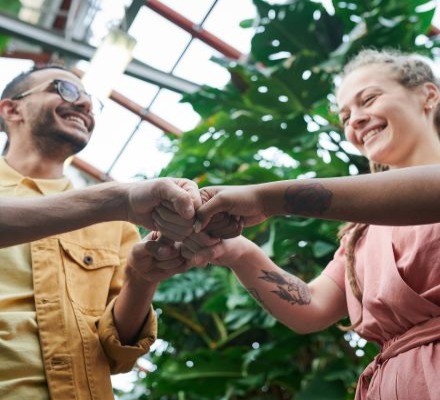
column 131, row 12
column 54, row 42
column 89, row 169
column 145, row 115
column 193, row 29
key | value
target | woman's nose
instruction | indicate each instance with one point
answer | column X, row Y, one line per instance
column 358, row 119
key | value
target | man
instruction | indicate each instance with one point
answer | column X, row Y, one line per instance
column 74, row 307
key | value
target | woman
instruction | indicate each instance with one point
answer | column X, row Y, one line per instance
column 385, row 277
column 389, row 108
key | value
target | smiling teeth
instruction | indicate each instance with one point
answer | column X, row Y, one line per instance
column 72, row 118
column 370, row 134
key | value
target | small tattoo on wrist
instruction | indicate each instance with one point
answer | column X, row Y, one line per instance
column 309, row 199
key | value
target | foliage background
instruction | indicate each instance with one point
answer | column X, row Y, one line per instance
column 11, row 7
column 273, row 121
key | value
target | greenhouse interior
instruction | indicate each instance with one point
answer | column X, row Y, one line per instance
column 222, row 92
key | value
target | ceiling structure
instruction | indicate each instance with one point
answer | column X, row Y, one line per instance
column 175, row 42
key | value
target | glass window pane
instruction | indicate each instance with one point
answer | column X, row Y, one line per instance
column 160, row 42
column 140, row 92
column 11, row 67
column 197, row 67
column 224, row 22
column 181, row 115
column 109, row 13
column 113, row 128
column 144, row 155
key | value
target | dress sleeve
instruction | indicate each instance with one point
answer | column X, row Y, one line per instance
column 335, row 269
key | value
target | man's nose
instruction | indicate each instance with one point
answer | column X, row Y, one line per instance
column 85, row 102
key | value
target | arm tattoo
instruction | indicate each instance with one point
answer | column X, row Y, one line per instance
column 289, row 287
column 311, row 199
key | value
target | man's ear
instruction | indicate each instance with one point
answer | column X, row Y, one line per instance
column 9, row 110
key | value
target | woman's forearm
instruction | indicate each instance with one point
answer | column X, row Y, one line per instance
column 286, row 297
column 399, row 197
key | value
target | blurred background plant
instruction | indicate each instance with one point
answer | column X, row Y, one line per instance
column 11, row 7
column 274, row 120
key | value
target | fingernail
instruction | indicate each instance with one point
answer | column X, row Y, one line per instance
column 163, row 251
column 197, row 226
column 189, row 210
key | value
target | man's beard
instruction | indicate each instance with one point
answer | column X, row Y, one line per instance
column 53, row 141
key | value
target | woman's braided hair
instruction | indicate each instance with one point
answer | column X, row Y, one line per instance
column 410, row 71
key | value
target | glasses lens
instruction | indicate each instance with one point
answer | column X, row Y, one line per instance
column 68, row 91
column 97, row 105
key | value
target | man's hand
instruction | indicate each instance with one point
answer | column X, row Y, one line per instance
column 155, row 259
column 221, row 225
column 200, row 249
column 224, row 226
column 242, row 203
column 176, row 198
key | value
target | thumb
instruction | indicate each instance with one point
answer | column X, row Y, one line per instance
column 205, row 213
column 181, row 200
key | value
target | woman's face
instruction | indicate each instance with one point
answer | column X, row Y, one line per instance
column 385, row 121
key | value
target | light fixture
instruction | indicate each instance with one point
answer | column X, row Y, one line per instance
column 109, row 62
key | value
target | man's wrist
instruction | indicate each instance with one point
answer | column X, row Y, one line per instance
column 138, row 280
column 114, row 202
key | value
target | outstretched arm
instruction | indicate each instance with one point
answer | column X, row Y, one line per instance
column 406, row 196
column 26, row 219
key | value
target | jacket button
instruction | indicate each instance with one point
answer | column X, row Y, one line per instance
column 88, row 260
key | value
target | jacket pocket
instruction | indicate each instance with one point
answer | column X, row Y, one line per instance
column 89, row 273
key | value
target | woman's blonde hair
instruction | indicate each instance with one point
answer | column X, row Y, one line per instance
column 410, row 71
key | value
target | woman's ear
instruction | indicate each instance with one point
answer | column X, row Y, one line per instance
column 431, row 94
column 9, row 110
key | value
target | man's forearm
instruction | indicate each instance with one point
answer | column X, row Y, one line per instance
column 399, row 197
column 132, row 307
column 27, row 219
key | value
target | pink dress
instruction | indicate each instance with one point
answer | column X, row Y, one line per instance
column 399, row 272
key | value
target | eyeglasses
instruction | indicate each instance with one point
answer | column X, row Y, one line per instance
column 68, row 91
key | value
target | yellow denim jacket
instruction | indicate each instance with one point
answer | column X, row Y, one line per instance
column 76, row 278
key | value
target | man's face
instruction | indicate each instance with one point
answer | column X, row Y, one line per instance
column 56, row 126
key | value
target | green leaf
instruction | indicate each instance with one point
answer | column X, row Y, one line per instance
column 321, row 248
column 319, row 388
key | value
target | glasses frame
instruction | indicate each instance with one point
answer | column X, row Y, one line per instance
column 58, row 83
